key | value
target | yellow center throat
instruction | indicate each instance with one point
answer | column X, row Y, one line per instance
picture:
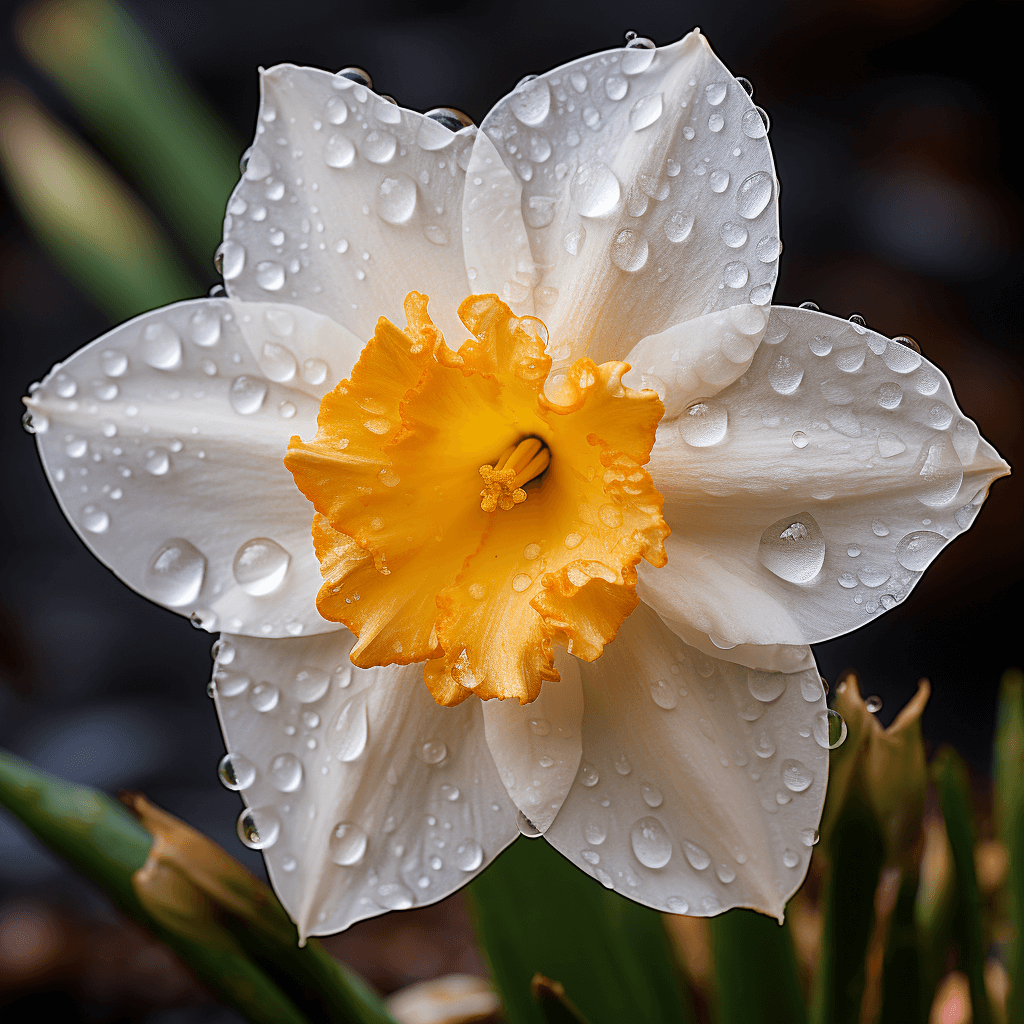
column 424, row 566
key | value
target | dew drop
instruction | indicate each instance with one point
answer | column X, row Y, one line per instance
column 175, row 573
column 113, row 362
column 811, row 688
column 259, row 827
column 260, row 566
column 432, row 752
column 270, row 275
column 698, row 857
column 348, row 844
column 663, row 695
column 652, row 795
column 468, row 855
column 829, row 729
column 286, row 773
column 939, row 472
column 734, row 235
column 800, row 439
column 540, row 727
column 588, row 774
column 338, row 150
column 531, row 101
column 310, row 684
column 646, row 111
column 703, row 423
column 630, row 250
column 393, row 896
column 790, row 858
column 247, row 394
column 94, row 519
column 161, row 347
column 917, row 550
column 651, row 843
column 679, row 226
column 752, row 123
column 396, row 198
column 753, row 195
column 527, row 827
column 796, row 776
column 766, row 686
column 793, row 548
column 264, row 697
column 236, row 771
column 595, row 189
column 351, row 729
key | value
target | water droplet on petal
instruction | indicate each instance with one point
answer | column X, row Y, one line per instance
column 351, row 729
column 230, row 262
column 766, row 686
column 663, row 695
column 652, row 795
column 790, row 858
column 247, row 394
column 829, row 729
column 588, row 774
column 310, row 684
column 347, row 844
column 651, row 843
column 917, row 550
column 810, row 688
column 703, row 423
column 259, row 827
column 286, row 773
column 734, row 235
column 432, row 752
column 679, row 226
column 264, row 697
column 595, row 189
column 468, row 855
column 527, row 827
column 793, row 548
column 278, row 363
column 175, row 573
column 94, row 519
column 338, row 150
column 796, row 776
column 260, row 566
column 236, row 771
column 753, row 195
column 379, row 147
column 698, row 857
column 800, row 439
column 396, row 198
column 161, row 347
column 393, row 896
column 646, row 111
column 939, row 471
column 270, row 275
column 630, row 250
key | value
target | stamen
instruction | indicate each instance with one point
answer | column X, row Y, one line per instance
column 517, row 466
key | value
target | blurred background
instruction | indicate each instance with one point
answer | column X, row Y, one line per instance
column 892, row 125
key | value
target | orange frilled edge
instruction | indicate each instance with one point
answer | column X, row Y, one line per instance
column 414, row 566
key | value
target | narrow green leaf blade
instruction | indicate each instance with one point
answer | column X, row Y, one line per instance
column 955, row 800
column 267, row 980
column 94, row 228
column 141, row 112
column 555, row 1006
column 904, row 996
column 856, row 854
column 1009, row 793
column 535, row 912
column 755, row 969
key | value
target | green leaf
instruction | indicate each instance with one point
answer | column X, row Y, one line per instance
column 535, row 912
column 905, row 998
column 140, row 111
column 220, row 920
column 855, row 857
column 755, row 969
column 955, row 799
column 93, row 227
column 555, row 1006
column 1008, row 769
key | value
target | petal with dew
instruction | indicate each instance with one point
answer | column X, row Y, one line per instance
column 537, row 748
column 699, row 790
column 157, row 438
column 649, row 193
column 838, row 467
column 346, row 203
column 363, row 794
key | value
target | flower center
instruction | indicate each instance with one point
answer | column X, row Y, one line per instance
column 423, row 565
column 505, row 480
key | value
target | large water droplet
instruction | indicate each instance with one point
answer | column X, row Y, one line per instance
column 339, row 151
column 811, row 688
column 940, row 472
column 753, row 195
column 765, row 745
column 651, row 843
column 796, row 776
column 899, row 358
column 204, row 327
column 161, row 347
column 277, row 362
column 468, row 855
column 114, row 363
column 736, row 274
column 264, row 697
column 94, row 519
column 396, row 198
column 246, row 394
column 752, row 123
column 629, row 250
column 432, row 752
column 646, row 111
column 663, row 695
column 703, row 423
column 259, row 827
column 527, row 827
column 679, row 226
column 829, row 729
column 351, row 729
column 379, row 147
column 766, row 686
column 270, row 275
column 785, row 375
column 393, row 896
column 916, row 550
column 175, row 573
column 531, row 101
column 230, row 261
column 890, row 394
column 310, row 684
column 595, row 189
column 236, row 771
column 348, row 844
column 698, row 857
column 286, row 773
column 652, row 795
column 734, row 235
column 260, row 566
column 793, row 548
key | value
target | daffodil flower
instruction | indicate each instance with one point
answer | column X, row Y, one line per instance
column 545, row 553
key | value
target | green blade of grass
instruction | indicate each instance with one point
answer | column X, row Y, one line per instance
column 955, row 799
column 251, row 962
column 755, row 969
column 856, row 854
column 84, row 215
column 904, row 999
column 140, row 111
column 534, row 912
column 1008, row 769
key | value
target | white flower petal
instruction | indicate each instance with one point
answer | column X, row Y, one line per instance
column 164, row 441
column 537, row 747
column 698, row 358
column 348, row 203
column 818, row 489
column 497, row 251
column 702, row 784
column 375, row 797
column 649, row 192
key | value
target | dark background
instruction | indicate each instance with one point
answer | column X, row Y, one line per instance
column 893, row 127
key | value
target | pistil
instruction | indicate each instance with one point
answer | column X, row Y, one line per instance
column 504, row 482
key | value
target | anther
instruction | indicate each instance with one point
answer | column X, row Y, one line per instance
column 517, row 466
